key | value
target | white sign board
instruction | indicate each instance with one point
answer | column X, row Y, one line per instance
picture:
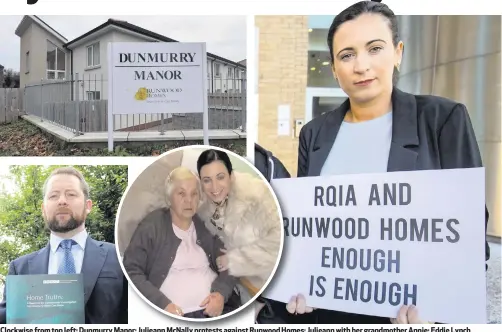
column 371, row 243
column 283, row 120
column 148, row 78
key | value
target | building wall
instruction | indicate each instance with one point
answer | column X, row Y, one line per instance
column 282, row 66
column 458, row 57
column 223, row 82
column 25, row 44
column 34, row 40
column 90, row 75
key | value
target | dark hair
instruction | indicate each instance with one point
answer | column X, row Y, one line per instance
column 357, row 9
column 212, row 155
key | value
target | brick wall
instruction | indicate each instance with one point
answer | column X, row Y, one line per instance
column 283, row 56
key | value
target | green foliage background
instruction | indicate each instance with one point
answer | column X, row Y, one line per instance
column 22, row 228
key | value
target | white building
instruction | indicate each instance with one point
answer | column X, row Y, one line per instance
column 47, row 55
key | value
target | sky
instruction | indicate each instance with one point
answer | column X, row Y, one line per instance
column 225, row 35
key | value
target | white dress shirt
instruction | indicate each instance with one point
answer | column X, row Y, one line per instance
column 56, row 254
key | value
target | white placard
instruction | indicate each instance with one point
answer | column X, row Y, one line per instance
column 158, row 77
column 434, row 256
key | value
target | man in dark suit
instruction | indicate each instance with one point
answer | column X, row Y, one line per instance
column 71, row 250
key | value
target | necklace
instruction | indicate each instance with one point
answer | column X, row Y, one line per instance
column 218, row 213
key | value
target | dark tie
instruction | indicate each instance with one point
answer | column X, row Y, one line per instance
column 67, row 265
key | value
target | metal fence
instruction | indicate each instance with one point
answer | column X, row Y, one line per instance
column 80, row 105
column 11, row 103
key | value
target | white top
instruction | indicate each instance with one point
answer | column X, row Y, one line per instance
column 190, row 277
column 56, row 254
column 360, row 147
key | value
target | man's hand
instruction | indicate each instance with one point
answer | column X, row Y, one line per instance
column 174, row 309
column 213, row 303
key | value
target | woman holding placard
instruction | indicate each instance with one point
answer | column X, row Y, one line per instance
column 379, row 128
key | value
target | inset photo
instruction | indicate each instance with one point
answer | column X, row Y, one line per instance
column 58, row 263
column 199, row 233
column 368, row 102
column 86, row 85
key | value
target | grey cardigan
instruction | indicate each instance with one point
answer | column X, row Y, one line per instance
column 152, row 250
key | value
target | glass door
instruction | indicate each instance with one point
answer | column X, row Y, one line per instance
column 321, row 100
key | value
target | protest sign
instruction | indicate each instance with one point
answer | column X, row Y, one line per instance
column 157, row 77
column 371, row 243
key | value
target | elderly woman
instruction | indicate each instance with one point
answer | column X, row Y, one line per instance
column 241, row 210
column 171, row 258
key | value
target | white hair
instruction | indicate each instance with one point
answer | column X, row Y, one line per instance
column 176, row 175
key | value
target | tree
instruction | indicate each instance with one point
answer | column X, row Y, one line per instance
column 16, row 79
column 7, row 78
column 11, row 79
column 22, row 228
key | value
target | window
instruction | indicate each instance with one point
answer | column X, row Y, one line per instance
column 56, row 62
column 93, row 55
column 27, row 62
column 217, row 69
column 93, row 95
column 237, row 73
column 230, row 72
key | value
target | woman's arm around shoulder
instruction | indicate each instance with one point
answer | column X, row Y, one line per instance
column 258, row 257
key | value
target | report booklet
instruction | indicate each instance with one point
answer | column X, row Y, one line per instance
column 45, row 299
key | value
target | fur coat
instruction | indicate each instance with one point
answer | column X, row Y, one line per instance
column 252, row 228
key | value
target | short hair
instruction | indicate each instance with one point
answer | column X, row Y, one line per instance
column 178, row 174
column 211, row 155
column 69, row 171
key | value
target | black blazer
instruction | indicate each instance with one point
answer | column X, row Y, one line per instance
column 428, row 132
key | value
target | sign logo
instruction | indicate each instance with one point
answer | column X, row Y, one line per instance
column 142, row 94
column 152, row 93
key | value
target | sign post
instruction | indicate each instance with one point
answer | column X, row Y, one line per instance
column 152, row 78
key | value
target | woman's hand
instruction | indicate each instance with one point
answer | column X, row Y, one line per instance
column 298, row 305
column 174, row 309
column 222, row 261
column 408, row 315
column 213, row 304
